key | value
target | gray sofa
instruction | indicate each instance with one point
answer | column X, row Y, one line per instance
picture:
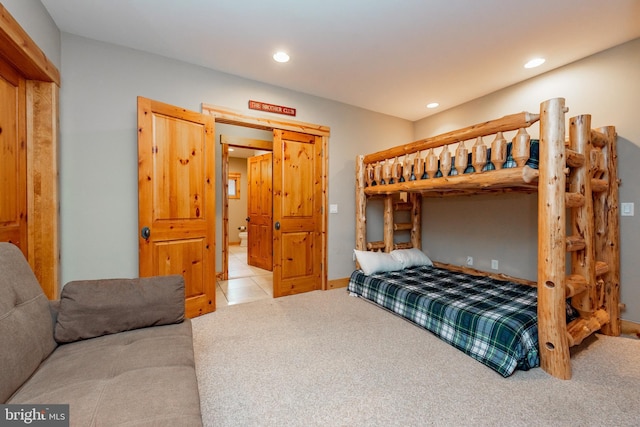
column 119, row 351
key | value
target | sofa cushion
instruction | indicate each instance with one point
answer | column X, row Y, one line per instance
column 26, row 328
column 143, row 377
column 94, row 308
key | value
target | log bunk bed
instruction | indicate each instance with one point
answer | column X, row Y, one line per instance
column 577, row 185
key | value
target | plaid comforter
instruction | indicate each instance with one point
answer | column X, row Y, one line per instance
column 493, row 321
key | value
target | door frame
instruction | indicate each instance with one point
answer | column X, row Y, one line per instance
column 224, row 115
column 42, row 141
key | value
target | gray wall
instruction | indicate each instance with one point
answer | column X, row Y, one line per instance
column 606, row 86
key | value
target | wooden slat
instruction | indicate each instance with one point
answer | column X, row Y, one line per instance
column 375, row 246
column 403, row 245
column 575, row 243
column 574, row 159
column 581, row 328
column 504, row 124
column 402, row 206
column 575, row 284
column 574, row 200
column 599, row 185
column 402, row 226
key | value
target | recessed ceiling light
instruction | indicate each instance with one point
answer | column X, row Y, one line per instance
column 281, row 57
column 535, row 62
column 433, row 105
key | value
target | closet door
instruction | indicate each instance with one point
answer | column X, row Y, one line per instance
column 13, row 158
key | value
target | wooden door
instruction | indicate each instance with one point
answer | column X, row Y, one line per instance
column 297, row 213
column 13, row 158
column 176, row 199
column 260, row 211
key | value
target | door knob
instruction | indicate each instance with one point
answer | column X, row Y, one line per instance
column 145, row 233
column 248, row 219
column 277, row 225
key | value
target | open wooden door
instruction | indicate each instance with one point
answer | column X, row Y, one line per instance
column 13, row 158
column 297, row 213
column 260, row 211
column 176, row 199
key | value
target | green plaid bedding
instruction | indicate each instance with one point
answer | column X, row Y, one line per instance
column 493, row 321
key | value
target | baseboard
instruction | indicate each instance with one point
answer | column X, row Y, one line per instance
column 630, row 328
column 338, row 283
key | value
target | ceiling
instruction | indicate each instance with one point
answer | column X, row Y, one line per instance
column 389, row 56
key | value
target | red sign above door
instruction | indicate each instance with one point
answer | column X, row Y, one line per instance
column 271, row 108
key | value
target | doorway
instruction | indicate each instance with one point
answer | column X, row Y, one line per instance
column 300, row 253
column 246, row 158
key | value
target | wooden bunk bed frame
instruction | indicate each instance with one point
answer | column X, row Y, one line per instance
column 577, row 187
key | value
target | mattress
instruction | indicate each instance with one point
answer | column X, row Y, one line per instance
column 491, row 320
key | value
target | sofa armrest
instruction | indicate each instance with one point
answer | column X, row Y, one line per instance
column 91, row 308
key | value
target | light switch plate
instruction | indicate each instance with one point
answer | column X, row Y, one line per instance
column 333, row 208
column 626, row 209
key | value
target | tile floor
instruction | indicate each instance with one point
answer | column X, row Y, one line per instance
column 246, row 283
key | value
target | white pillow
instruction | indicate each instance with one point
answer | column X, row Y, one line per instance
column 377, row 262
column 411, row 257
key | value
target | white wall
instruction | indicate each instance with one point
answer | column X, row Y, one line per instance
column 606, row 86
column 98, row 169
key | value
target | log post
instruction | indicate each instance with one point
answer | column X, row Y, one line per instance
column 608, row 233
column 388, row 223
column 552, row 322
column 416, row 220
column 361, row 205
column 583, row 261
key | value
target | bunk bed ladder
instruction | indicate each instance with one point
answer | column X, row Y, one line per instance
column 583, row 179
column 591, row 202
column 393, row 204
column 593, row 223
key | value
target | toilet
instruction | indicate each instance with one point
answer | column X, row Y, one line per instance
column 243, row 238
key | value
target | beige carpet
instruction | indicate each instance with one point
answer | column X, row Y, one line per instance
column 329, row 359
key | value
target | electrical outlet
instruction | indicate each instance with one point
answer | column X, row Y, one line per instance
column 469, row 260
column 333, row 208
column 494, row 264
column 627, row 209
